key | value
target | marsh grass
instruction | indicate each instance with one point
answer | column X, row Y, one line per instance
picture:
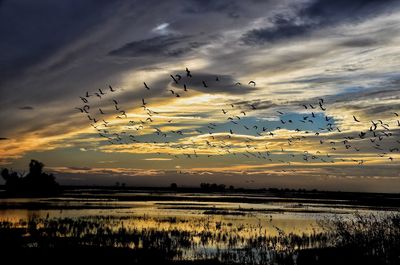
column 177, row 240
column 375, row 236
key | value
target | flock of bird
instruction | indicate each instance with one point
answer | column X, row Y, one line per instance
column 107, row 121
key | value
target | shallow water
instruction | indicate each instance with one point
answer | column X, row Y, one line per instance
column 279, row 214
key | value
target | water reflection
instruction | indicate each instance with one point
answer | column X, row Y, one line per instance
column 290, row 217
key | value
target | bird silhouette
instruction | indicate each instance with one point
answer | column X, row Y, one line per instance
column 355, row 119
column 86, row 108
column 188, row 74
column 173, row 78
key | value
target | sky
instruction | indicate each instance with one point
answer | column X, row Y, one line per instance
column 321, row 112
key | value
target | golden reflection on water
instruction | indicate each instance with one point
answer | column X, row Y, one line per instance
column 246, row 220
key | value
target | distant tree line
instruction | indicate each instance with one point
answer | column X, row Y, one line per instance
column 214, row 187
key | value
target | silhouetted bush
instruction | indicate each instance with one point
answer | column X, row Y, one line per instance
column 36, row 182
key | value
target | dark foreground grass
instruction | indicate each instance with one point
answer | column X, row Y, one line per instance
column 106, row 240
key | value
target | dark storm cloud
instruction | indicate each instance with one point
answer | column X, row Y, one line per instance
column 34, row 30
column 159, row 90
column 360, row 42
column 226, row 84
column 373, row 110
column 80, row 168
column 158, row 46
column 318, row 14
column 283, row 28
column 26, row 108
column 370, row 94
column 259, row 104
column 204, row 6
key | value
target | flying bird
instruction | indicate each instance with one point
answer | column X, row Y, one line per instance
column 320, row 105
column 173, row 78
column 252, row 83
column 86, row 108
column 188, row 74
column 355, row 119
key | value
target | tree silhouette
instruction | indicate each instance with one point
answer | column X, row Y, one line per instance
column 36, row 182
